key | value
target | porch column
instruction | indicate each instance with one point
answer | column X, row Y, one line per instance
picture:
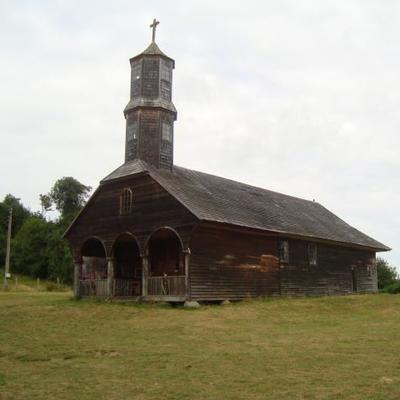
column 77, row 274
column 187, row 258
column 145, row 274
column 110, row 277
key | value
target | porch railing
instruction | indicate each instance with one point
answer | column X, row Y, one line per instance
column 167, row 285
column 157, row 286
column 93, row 287
column 126, row 288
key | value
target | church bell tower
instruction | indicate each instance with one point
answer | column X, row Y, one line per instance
column 150, row 113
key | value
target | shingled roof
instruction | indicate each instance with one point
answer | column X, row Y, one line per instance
column 216, row 199
column 153, row 50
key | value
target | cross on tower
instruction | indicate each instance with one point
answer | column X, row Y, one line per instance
column 154, row 26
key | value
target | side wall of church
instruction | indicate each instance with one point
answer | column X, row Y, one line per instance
column 339, row 270
column 232, row 264
column 227, row 264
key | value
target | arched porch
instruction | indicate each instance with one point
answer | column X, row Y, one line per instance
column 167, row 265
column 93, row 269
column 123, row 269
column 127, row 267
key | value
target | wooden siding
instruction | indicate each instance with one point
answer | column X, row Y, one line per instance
column 232, row 265
column 332, row 275
column 225, row 262
column 153, row 208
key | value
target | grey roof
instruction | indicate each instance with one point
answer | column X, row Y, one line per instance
column 153, row 50
column 212, row 198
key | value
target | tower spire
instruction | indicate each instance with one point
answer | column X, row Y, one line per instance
column 150, row 113
column 154, row 27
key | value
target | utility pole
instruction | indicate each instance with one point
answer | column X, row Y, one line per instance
column 7, row 268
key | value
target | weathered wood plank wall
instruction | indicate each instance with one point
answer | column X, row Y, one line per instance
column 333, row 273
column 153, row 208
column 232, row 265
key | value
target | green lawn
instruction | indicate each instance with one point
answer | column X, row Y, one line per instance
column 52, row 347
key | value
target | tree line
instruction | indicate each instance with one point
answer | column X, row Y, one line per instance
column 38, row 248
column 388, row 277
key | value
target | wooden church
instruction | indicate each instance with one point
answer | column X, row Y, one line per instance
column 157, row 231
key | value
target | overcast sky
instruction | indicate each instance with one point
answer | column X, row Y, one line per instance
column 301, row 97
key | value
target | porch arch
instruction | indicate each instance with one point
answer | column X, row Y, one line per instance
column 94, row 259
column 93, row 247
column 128, row 267
column 164, row 249
column 93, row 273
column 166, row 265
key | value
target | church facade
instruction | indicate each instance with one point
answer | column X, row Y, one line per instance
column 158, row 231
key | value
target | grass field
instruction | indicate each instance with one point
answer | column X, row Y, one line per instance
column 52, row 347
column 21, row 283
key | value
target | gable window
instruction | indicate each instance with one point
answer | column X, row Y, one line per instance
column 312, row 254
column 284, row 251
column 125, row 201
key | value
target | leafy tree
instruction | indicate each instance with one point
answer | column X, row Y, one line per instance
column 40, row 251
column 45, row 202
column 393, row 288
column 68, row 195
column 38, row 247
column 58, row 255
column 387, row 275
column 29, row 248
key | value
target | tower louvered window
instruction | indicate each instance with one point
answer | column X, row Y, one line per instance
column 167, row 132
column 136, row 78
column 166, row 80
column 126, row 201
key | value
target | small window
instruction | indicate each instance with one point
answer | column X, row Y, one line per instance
column 167, row 132
column 166, row 80
column 312, row 253
column 125, row 201
column 165, row 89
column 132, row 131
column 284, row 251
column 135, row 78
column 136, row 70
